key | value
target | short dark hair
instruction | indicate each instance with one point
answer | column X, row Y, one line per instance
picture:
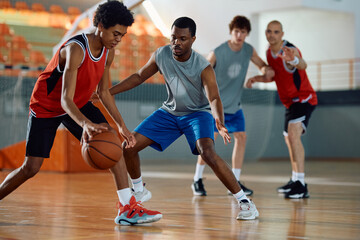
column 185, row 22
column 240, row 22
column 111, row 13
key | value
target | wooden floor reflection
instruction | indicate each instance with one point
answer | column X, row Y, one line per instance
column 83, row 206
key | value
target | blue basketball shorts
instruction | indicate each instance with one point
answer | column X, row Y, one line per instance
column 164, row 128
column 234, row 122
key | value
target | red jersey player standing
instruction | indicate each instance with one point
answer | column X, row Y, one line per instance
column 299, row 98
column 61, row 95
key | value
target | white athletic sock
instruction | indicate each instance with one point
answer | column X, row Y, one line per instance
column 240, row 196
column 198, row 172
column 237, row 173
column 293, row 176
column 124, row 196
column 301, row 177
column 138, row 184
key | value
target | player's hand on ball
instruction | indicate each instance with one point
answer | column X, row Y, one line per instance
column 90, row 129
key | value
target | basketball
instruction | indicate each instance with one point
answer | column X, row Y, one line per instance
column 102, row 151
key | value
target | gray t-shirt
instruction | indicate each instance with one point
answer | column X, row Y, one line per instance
column 230, row 69
column 183, row 82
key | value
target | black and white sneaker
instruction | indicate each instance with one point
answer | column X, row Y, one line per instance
column 298, row 190
column 198, row 188
column 247, row 191
column 286, row 188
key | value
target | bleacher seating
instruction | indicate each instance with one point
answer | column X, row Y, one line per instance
column 19, row 42
column 4, row 4
column 17, row 57
column 37, row 58
column 73, row 11
column 21, row 6
column 29, row 40
column 57, row 9
column 4, row 29
column 38, row 7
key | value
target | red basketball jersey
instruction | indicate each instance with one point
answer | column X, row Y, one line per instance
column 293, row 85
column 46, row 95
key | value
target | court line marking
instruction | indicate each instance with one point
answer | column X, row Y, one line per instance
column 251, row 178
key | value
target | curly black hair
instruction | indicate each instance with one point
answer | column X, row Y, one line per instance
column 111, row 13
column 240, row 22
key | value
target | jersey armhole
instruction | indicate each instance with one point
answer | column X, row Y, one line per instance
column 81, row 45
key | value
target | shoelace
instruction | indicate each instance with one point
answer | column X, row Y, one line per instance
column 135, row 205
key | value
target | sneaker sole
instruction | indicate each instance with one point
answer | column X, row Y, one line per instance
column 298, row 196
column 126, row 222
column 197, row 193
column 283, row 190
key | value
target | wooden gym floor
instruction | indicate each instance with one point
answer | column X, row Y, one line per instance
column 82, row 206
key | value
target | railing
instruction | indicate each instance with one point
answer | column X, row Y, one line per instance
column 327, row 75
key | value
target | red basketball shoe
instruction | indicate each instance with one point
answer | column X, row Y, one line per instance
column 135, row 213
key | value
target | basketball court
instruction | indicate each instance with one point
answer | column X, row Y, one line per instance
column 83, row 205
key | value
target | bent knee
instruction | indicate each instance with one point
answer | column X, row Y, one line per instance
column 30, row 170
column 209, row 156
column 240, row 136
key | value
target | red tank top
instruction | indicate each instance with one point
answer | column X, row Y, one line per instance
column 292, row 85
column 46, row 95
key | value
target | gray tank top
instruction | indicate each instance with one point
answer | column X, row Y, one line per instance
column 186, row 93
column 230, row 69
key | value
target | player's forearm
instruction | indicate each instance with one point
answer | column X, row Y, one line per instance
column 302, row 64
column 217, row 109
column 108, row 102
column 261, row 78
column 298, row 62
column 73, row 111
column 129, row 83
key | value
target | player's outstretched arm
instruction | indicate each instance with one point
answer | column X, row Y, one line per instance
column 209, row 81
column 148, row 70
column 268, row 72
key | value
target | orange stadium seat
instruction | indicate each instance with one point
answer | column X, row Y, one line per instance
column 37, row 58
column 38, row 7
column 4, row 29
column 73, row 11
column 21, row 6
column 5, row 4
column 3, row 42
column 57, row 9
column 2, row 59
column 17, row 57
column 19, row 42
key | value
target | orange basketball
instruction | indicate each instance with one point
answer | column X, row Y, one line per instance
column 102, row 151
